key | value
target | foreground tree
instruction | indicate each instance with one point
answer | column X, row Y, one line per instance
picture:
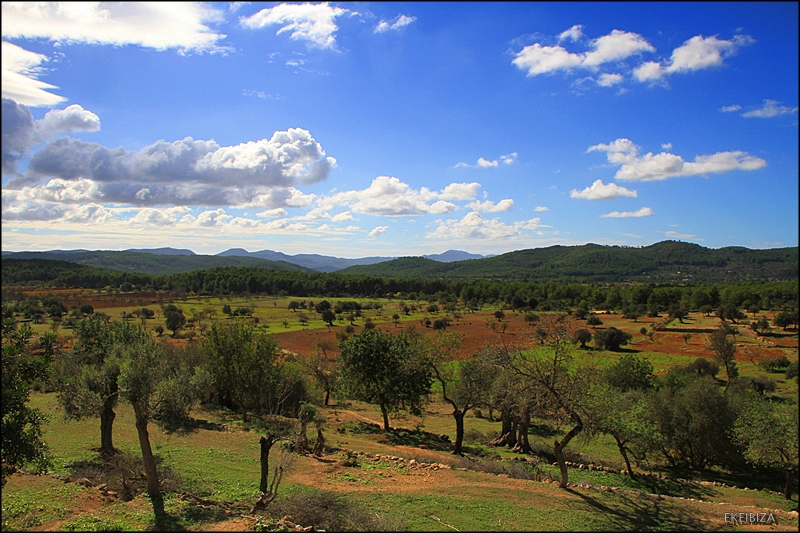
column 560, row 384
column 21, row 424
column 387, row 370
column 769, row 434
column 160, row 389
column 87, row 375
column 465, row 384
column 322, row 368
column 625, row 417
column 247, row 372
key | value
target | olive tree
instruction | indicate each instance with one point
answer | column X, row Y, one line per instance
column 560, row 383
column 768, row 433
column 21, row 424
column 160, row 389
column 725, row 353
column 465, row 384
column 87, row 375
column 391, row 371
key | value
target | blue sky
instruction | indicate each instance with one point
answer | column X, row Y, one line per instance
column 359, row 129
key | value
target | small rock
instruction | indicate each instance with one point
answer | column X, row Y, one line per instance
column 84, row 482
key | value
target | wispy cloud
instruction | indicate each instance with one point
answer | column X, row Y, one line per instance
column 771, row 108
column 396, row 24
column 643, row 212
column 507, row 159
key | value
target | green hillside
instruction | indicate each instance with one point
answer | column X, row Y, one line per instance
column 667, row 261
column 155, row 264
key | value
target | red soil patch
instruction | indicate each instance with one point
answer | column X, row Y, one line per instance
column 520, row 333
column 473, row 327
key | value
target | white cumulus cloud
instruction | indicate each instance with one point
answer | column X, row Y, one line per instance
column 694, row 54
column 475, row 227
column 313, row 23
column 573, row 34
column 730, row 108
column 643, row 212
column 490, row 207
column 617, row 46
column 260, row 173
column 657, row 167
column 388, row 196
column 599, row 191
column 378, row 231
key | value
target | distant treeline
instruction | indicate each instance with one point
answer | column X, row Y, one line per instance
column 549, row 295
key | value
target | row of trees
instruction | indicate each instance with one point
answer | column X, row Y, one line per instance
column 546, row 296
column 684, row 416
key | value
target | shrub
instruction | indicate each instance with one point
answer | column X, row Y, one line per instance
column 331, row 512
column 760, row 384
column 791, row 372
column 774, row 363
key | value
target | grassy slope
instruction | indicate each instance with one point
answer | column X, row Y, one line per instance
column 223, row 465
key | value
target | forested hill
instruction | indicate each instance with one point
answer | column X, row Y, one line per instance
column 153, row 263
column 667, row 261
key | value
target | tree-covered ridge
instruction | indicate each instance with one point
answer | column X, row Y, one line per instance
column 661, row 262
column 156, row 264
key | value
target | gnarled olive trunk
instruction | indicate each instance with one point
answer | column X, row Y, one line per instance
column 624, row 452
column 558, row 448
column 459, row 416
column 153, row 482
column 266, row 445
column 787, row 491
column 107, row 416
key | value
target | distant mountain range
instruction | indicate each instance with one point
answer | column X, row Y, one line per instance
column 663, row 262
column 322, row 263
column 174, row 260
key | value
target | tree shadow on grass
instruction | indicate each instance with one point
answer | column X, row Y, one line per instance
column 400, row 436
column 416, row 438
column 644, row 513
column 123, row 474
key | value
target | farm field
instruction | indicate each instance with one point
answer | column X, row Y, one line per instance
column 211, row 471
